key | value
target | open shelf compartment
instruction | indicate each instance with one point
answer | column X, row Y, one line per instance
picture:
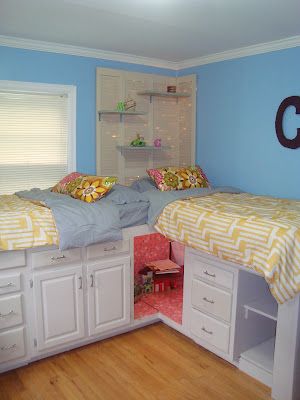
column 259, row 360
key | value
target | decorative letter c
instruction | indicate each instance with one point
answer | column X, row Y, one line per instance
column 290, row 143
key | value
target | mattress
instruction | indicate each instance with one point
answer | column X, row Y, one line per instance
column 262, row 233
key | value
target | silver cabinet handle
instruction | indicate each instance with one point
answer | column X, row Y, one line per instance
column 208, row 301
column 206, row 331
column 6, row 315
column 58, row 257
column 207, row 273
column 80, row 282
column 92, row 280
column 5, row 348
column 110, row 248
column 7, row 285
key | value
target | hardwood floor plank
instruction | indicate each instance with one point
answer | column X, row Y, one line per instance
column 152, row 363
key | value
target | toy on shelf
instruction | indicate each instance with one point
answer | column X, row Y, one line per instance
column 121, row 106
column 138, row 142
column 146, row 280
column 129, row 104
column 157, row 142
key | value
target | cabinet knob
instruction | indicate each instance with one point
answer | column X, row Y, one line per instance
column 7, row 285
column 92, row 280
column 208, row 301
column 206, row 331
column 7, row 314
column 207, row 273
column 58, row 257
column 5, row 348
column 80, row 282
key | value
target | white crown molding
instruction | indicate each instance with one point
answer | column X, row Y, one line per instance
column 51, row 47
column 261, row 48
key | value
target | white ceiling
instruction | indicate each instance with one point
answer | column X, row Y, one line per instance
column 172, row 30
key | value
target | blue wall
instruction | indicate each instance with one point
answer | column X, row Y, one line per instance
column 35, row 66
column 237, row 102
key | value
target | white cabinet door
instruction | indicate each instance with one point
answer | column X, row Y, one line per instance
column 59, row 306
column 108, row 295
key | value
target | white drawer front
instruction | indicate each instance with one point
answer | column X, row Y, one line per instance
column 107, row 249
column 211, row 299
column 210, row 330
column 212, row 273
column 12, row 259
column 55, row 257
column 9, row 283
column 12, row 344
column 10, row 311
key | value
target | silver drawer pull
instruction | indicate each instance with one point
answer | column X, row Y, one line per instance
column 7, row 285
column 6, row 315
column 212, row 275
column 206, row 331
column 5, row 348
column 58, row 257
column 80, row 282
column 208, row 301
column 110, row 248
column 92, row 280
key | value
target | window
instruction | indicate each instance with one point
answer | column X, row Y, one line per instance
column 37, row 135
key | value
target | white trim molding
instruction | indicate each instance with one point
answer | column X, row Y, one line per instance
column 241, row 52
column 51, row 47
column 55, row 89
column 16, row 42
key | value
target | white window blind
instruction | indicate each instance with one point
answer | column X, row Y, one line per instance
column 33, row 140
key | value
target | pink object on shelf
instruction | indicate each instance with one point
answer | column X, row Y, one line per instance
column 157, row 142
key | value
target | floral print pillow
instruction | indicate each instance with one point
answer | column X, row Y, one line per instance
column 63, row 185
column 93, row 188
column 178, row 178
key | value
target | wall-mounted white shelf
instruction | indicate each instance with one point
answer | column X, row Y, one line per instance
column 121, row 113
column 141, row 148
column 266, row 306
column 157, row 93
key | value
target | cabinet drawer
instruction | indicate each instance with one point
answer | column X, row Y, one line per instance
column 55, row 257
column 211, row 299
column 12, row 259
column 10, row 311
column 210, row 330
column 212, row 273
column 107, row 249
column 12, row 344
column 10, row 283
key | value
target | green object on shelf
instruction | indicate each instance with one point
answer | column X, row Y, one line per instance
column 121, row 106
column 138, row 142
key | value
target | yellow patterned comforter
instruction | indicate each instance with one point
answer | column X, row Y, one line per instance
column 25, row 224
column 261, row 233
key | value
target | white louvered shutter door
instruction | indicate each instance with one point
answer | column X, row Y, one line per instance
column 109, row 134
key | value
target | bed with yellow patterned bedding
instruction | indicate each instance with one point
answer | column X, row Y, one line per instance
column 262, row 233
column 25, row 224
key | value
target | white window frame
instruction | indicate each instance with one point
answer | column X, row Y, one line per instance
column 49, row 88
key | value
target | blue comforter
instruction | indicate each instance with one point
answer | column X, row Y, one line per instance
column 78, row 223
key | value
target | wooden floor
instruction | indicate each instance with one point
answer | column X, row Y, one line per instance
column 155, row 362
